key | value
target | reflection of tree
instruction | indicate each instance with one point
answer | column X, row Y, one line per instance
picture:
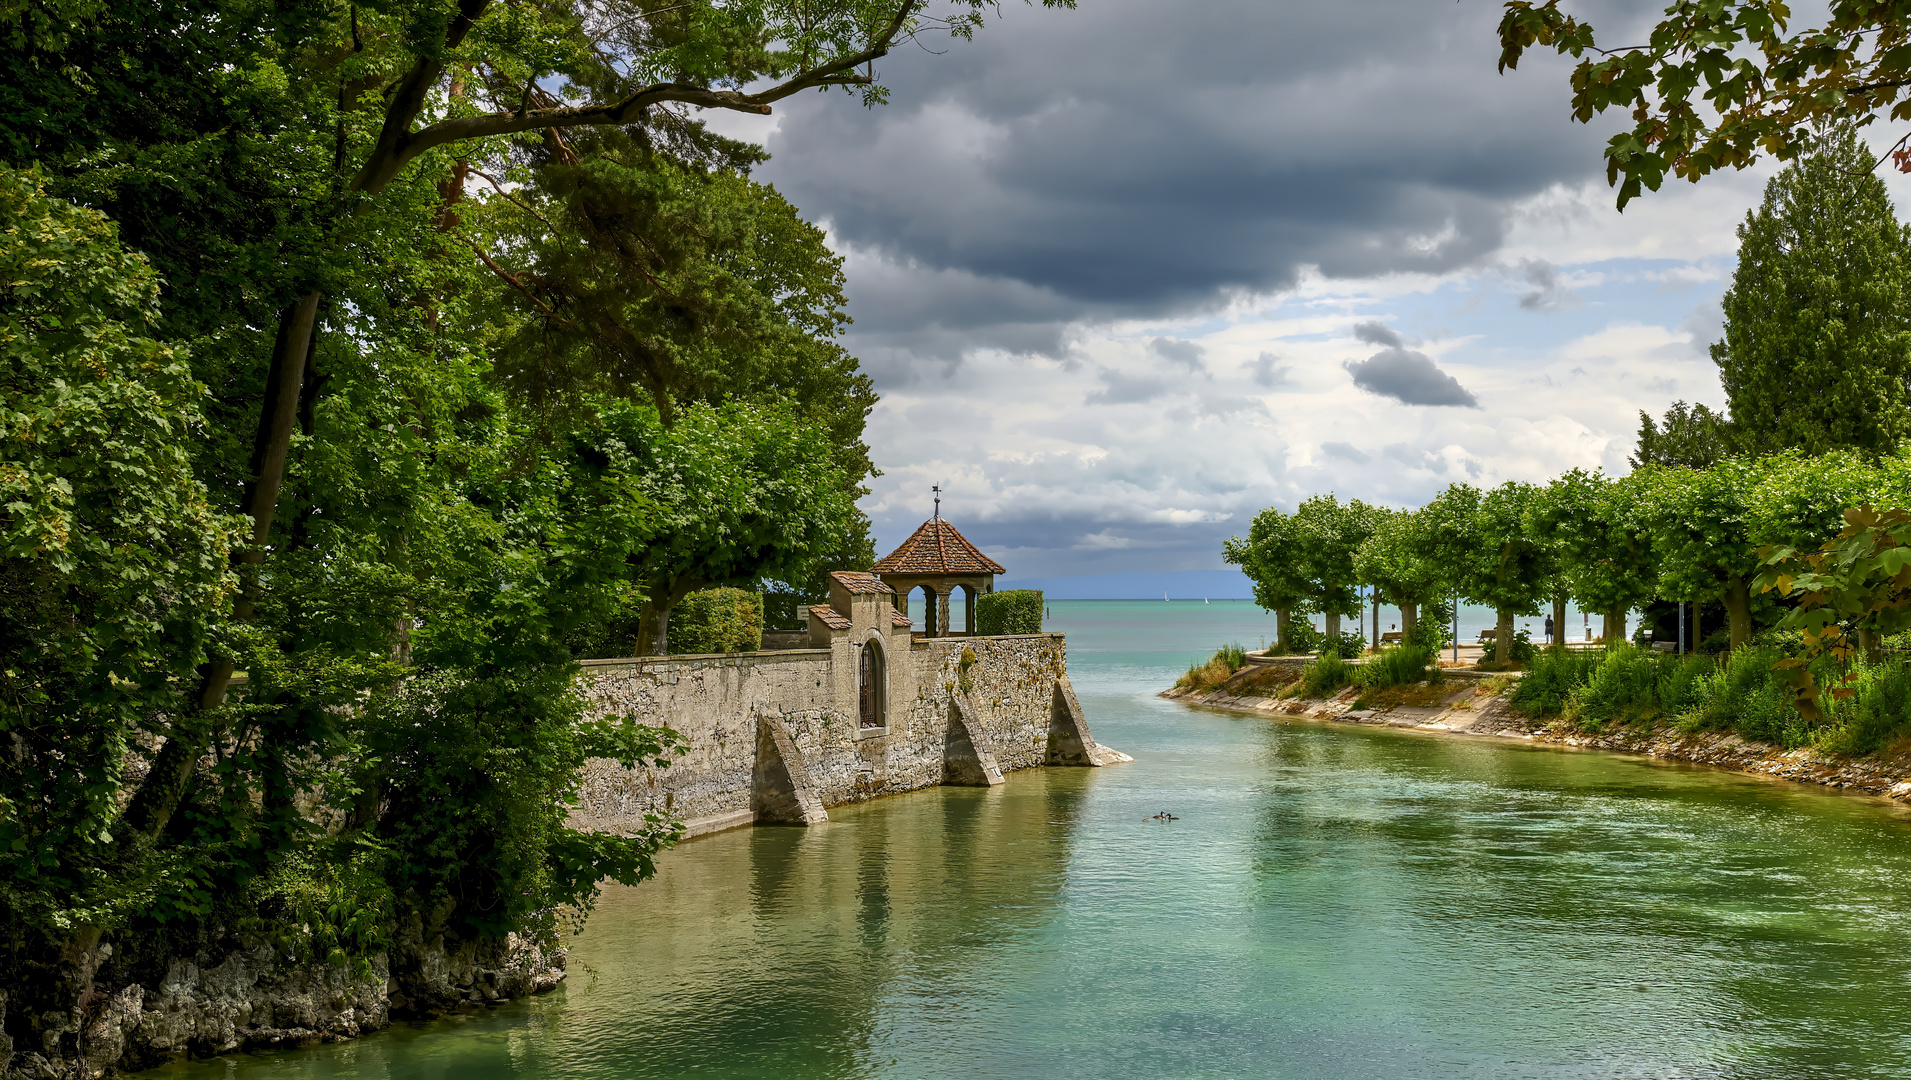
column 792, row 940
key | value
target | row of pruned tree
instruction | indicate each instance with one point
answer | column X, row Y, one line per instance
column 1604, row 544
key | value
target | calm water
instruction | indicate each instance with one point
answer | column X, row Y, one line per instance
column 1333, row 902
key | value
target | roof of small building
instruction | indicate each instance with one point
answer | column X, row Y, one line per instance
column 858, row 581
column 897, row 618
column 829, row 617
column 937, row 548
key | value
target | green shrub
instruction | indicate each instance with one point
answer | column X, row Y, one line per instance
column 1741, row 696
column 1326, row 675
column 1302, row 637
column 1014, row 611
column 1622, row 685
column 1402, row 665
column 1876, row 713
column 1430, row 628
column 717, row 621
column 1550, row 681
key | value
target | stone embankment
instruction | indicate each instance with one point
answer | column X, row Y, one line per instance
column 1467, row 703
column 245, row 995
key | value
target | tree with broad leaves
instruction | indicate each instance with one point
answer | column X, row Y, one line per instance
column 1717, row 83
column 1398, row 560
column 1271, row 557
column 1328, row 534
column 1857, row 584
column 1602, row 560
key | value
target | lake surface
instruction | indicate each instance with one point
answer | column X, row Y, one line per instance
column 1333, row 902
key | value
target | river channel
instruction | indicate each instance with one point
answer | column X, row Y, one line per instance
column 1332, row 902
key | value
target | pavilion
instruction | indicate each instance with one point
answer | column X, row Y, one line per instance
column 938, row 560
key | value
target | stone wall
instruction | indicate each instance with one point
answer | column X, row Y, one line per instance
column 1012, row 685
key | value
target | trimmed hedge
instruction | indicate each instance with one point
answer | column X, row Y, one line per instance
column 1016, row 611
column 717, row 621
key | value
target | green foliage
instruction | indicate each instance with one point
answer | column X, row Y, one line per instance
column 1550, row 680
column 1303, row 638
column 1876, row 713
column 1399, row 560
column 113, row 562
column 1691, row 437
column 1327, row 536
column 1272, row 558
column 1716, row 84
column 1742, row 696
column 1430, row 629
column 1012, row 611
column 717, row 621
column 1399, row 666
column 1326, row 674
column 1818, row 300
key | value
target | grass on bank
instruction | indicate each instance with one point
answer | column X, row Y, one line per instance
column 1203, row 677
column 1627, row 685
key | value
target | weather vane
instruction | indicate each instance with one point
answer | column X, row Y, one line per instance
column 937, row 490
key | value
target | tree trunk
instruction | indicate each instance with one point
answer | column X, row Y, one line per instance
column 152, row 806
column 1280, row 630
column 1559, row 623
column 654, row 639
column 1409, row 620
column 1503, row 637
column 1614, row 628
column 1373, row 643
column 1738, row 613
column 1870, row 645
column 1332, row 620
column 653, row 619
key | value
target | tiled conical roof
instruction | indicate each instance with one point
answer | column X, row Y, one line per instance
column 937, row 548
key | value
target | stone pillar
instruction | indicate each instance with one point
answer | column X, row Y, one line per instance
column 943, row 592
column 968, row 757
column 1069, row 740
column 780, row 789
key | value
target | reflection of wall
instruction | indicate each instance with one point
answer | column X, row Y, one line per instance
column 798, row 940
column 714, row 702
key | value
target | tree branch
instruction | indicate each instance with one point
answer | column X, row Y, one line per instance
column 396, row 149
column 512, row 279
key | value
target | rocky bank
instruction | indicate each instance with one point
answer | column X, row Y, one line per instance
column 246, row 996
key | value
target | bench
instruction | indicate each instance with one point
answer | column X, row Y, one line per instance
column 1392, row 637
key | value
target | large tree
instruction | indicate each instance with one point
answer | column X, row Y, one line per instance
column 1399, row 561
column 1328, row 534
column 1271, row 557
column 1817, row 349
column 1603, row 561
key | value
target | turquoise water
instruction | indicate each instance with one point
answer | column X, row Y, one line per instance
column 1333, row 902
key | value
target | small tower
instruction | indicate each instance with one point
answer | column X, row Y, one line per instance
column 938, row 560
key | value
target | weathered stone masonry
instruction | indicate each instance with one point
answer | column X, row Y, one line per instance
column 778, row 737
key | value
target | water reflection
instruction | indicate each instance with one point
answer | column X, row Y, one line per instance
column 1333, row 903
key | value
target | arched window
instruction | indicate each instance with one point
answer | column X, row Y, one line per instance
column 872, row 691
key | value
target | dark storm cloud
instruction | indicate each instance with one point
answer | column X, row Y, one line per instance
column 1131, row 158
column 1410, row 378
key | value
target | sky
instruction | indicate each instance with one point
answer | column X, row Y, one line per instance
column 1128, row 274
